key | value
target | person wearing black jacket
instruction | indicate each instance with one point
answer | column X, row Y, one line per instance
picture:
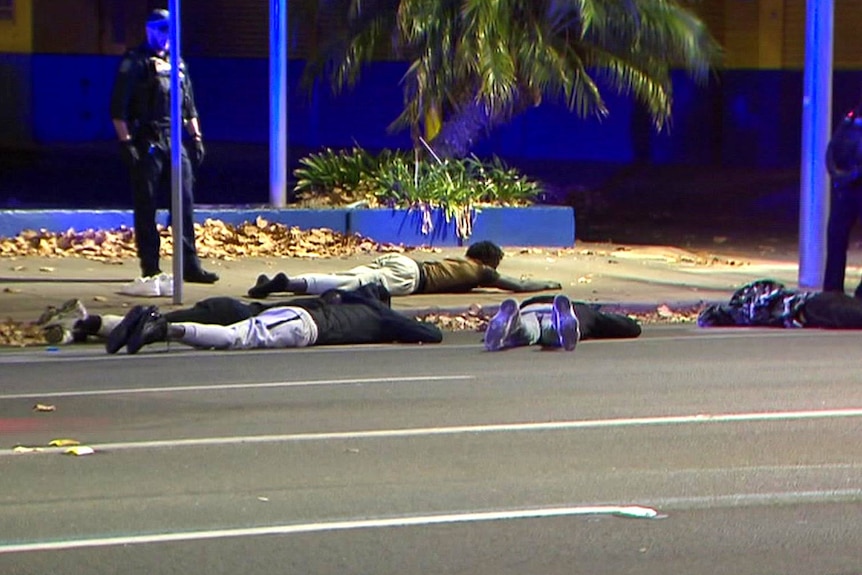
column 554, row 321
column 336, row 317
column 844, row 163
column 768, row 303
column 140, row 111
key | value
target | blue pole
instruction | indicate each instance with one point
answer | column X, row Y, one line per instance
column 176, row 151
column 816, row 129
column 278, row 102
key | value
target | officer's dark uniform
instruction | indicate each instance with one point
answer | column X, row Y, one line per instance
column 844, row 161
column 141, row 97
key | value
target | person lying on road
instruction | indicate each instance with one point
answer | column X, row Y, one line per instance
column 334, row 318
column 554, row 321
column 768, row 303
column 403, row 275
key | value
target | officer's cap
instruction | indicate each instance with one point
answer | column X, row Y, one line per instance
column 158, row 17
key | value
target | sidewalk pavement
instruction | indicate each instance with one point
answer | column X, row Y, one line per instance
column 629, row 278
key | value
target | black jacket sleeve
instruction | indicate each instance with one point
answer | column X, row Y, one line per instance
column 128, row 75
column 189, row 108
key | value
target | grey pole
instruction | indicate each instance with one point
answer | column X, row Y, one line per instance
column 816, row 129
column 278, row 102
column 176, row 151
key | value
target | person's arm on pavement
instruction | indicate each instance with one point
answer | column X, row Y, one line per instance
column 523, row 285
column 408, row 330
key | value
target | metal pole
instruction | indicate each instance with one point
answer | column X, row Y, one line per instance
column 278, row 102
column 176, row 151
column 816, row 130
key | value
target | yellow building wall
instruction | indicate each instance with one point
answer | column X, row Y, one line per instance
column 770, row 34
column 16, row 35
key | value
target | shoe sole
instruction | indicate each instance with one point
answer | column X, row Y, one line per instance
column 500, row 325
column 71, row 311
column 566, row 323
column 138, row 338
column 119, row 336
column 56, row 335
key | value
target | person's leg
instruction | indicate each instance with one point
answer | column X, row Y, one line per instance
column 843, row 210
column 832, row 310
column 146, row 178
column 274, row 328
column 192, row 270
column 209, row 336
column 214, row 310
column 316, row 283
column 595, row 324
column 512, row 327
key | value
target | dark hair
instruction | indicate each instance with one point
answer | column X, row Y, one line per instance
column 486, row 252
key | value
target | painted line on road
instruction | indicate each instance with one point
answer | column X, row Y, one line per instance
column 633, row 511
column 229, row 386
column 645, row 510
column 699, row 418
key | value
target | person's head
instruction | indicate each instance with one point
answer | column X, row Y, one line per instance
column 158, row 30
column 486, row 252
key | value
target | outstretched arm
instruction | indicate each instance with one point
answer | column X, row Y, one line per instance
column 408, row 330
column 523, row 286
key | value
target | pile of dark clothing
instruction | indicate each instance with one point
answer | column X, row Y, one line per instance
column 768, row 303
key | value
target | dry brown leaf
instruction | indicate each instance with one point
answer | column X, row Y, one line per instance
column 64, row 442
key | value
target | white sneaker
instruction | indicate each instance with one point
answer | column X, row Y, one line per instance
column 145, row 287
column 166, row 284
column 64, row 316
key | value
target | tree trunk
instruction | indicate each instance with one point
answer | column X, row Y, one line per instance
column 472, row 122
column 462, row 129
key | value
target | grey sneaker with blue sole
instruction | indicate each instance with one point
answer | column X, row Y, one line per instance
column 501, row 325
column 565, row 323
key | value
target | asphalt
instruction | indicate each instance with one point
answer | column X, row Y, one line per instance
column 629, row 277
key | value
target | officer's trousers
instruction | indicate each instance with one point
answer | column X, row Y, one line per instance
column 844, row 210
column 150, row 179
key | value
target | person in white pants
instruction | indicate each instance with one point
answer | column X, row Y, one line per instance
column 273, row 328
column 402, row 275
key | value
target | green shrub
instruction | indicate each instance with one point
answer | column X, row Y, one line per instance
column 394, row 178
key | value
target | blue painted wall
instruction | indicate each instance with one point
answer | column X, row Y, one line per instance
column 743, row 118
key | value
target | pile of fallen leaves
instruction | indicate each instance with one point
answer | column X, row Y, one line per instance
column 20, row 334
column 665, row 315
column 215, row 239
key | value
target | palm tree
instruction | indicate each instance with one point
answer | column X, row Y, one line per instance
column 477, row 63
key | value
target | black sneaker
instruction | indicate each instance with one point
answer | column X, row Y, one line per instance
column 119, row 336
column 200, row 276
column 151, row 328
column 258, row 290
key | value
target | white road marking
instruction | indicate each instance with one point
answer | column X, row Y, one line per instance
column 228, row 386
column 699, row 418
column 644, row 511
column 470, row 517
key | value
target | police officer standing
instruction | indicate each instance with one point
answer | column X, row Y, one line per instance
column 140, row 110
column 844, row 162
